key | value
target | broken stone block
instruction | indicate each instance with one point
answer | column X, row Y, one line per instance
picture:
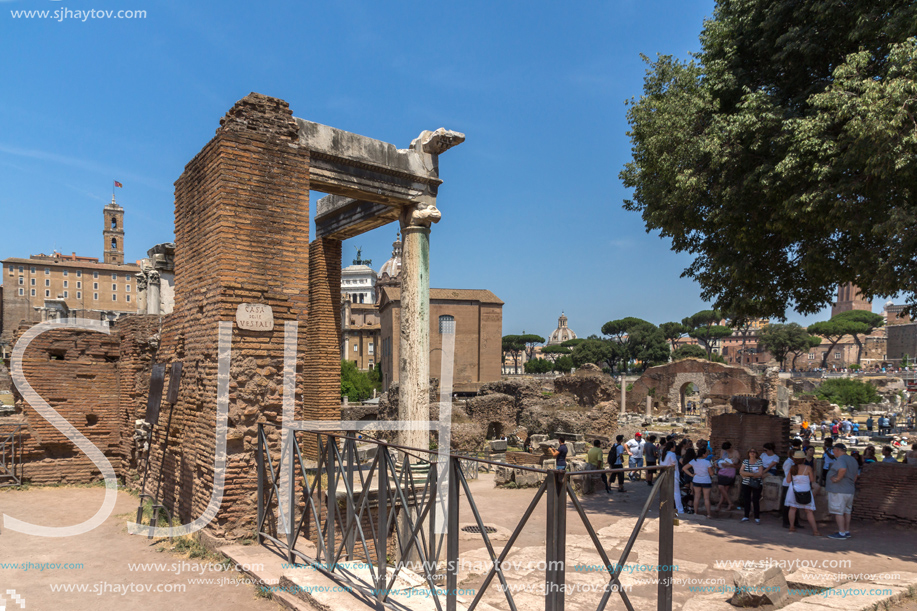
column 528, row 478
column 536, row 439
column 580, row 447
column 549, row 463
column 503, row 475
column 498, row 445
column 758, row 584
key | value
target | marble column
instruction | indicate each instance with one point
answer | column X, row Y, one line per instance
column 152, row 296
column 414, row 364
column 623, row 395
column 649, row 407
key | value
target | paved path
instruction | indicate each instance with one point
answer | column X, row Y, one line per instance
column 106, row 555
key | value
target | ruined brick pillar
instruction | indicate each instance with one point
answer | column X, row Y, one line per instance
column 322, row 362
column 241, row 237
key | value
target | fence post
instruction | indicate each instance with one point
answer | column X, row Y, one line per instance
column 260, row 463
column 382, row 531
column 350, row 452
column 331, row 469
column 291, row 519
column 555, row 541
column 452, row 533
column 666, row 539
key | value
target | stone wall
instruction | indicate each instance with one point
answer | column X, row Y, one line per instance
column 746, row 431
column 241, row 236
column 886, row 493
column 714, row 380
column 76, row 373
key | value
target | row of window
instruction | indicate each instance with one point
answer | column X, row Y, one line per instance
column 79, row 284
column 79, row 272
column 79, row 295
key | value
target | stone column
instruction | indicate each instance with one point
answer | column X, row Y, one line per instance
column 152, row 295
column 140, row 281
column 414, row 364
column 623, row 395
column 649, row 407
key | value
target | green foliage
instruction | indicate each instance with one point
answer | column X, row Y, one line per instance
column 556, row 350
column 905, row 361
column 673, row 331
column 595, row 351
column 356, row 385
column 855, row 367
column 570, row 343
column 513, row 345
column 783, row 155
column 852, row 322
column 847, row 391
column 538, row 366
column 689, row 351
column 564, row 364
column 780, row 340
column 705, row 328
column 638, row 340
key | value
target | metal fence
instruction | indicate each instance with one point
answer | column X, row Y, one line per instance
column 330, row 503
column 10, row 455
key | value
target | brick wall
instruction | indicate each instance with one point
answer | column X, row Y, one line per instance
column 746, row 431
column 241, row 236
column 886, row 493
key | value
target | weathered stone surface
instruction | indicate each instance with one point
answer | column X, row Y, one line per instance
column 746, row 404
column 714, row 380
column 757, row 585
column 498, row 445
column 503, row 475
column 588, row 386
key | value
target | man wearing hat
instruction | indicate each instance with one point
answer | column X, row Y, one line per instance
column 841, row 485
column 634, row 449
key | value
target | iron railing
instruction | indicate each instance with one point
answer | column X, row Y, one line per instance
column 10, row 455
column 335, row 498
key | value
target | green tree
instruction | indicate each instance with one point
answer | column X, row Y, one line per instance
column 570, row 343
column 780, row 340
column 672, row 332
column 847, row 391
column 783, row 155
column 863, row 323
column 538, row 366
column 530, row 340
column 814, row 342
column 555, row 351
column 638, row 340
column 513, row 345
column 705, row 328
column 689, row 351
column 595, row 351
column 356, row 385
column 564, row 364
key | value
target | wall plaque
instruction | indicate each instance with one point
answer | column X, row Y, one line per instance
column 255, row 317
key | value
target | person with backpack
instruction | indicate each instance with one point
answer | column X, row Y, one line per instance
column 651, row 453
column 616, row 461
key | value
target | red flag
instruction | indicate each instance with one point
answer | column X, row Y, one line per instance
column 118, row 184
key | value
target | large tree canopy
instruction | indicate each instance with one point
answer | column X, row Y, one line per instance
column 783, row 156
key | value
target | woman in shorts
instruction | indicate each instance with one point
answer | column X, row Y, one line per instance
column 701, row 471
column 726, row 474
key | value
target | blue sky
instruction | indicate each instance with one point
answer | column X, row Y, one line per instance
column 531, row 201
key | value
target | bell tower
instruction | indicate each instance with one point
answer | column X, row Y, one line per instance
column 113, row 233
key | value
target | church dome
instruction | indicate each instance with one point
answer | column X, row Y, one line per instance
column 562, row 333
column 392, row 267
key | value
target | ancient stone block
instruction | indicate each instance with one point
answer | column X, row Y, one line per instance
column 758, row 584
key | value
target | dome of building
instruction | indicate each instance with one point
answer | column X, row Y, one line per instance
column 562, row 333
column 392, row 267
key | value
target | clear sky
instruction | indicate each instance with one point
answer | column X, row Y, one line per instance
column 531, row 201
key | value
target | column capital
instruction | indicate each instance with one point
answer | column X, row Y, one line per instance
column 422, row 214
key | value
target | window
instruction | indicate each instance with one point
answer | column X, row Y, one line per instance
column 79, row 284
column 47, row 271
column 47, row 282
column 32, row 282
column 47, row 293
column 446, row 324
column 95, row 274
column 20, row 269
column 114, row 286
column 370, row 364
column 114, row 276
column 66, row 282
column 21, row 280
column 33, row 292
column 370, row 347
column 32, row 270
column 66, row 272
column 79, row 273
column 355, row 348
column 811, row 356
column 127, row 298
column 79, row 295
column 66, row 294
column 837, row 355
column 95, row 296
column 12, row 269
column 21, row 292
column 114, row 245
column 127, row 277
column 95, row 286
column 114, row 298
column 127, row 288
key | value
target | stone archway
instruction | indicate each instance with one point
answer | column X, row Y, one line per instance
column 680, row 385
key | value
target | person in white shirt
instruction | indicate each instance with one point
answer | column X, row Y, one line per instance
column 770, row 458
column 635, row 453
column 701, row 470
column 671, row 460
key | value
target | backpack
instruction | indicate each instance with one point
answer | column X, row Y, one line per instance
column 615, row 454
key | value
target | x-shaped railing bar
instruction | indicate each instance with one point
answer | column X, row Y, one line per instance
column 490, row 547
column 509, row 544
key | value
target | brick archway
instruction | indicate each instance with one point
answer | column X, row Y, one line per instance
column 681, row 381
